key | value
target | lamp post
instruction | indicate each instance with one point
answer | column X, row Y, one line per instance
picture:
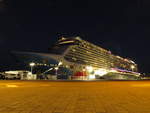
column 90, row 70
column 60, row 63
column 32, row 64
column 56, row 68
column 132, row 67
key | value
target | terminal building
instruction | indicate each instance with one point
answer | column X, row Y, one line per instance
column 75, row 58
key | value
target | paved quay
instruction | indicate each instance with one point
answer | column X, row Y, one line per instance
column 74, row 97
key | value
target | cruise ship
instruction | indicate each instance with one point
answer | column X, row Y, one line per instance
column 82, row 60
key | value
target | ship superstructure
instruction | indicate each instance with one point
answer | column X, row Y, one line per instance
column 88, row 61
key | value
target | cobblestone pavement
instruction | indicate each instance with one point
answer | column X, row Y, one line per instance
column 75, row 97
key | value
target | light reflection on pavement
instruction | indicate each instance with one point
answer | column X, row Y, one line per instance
column 141, row 85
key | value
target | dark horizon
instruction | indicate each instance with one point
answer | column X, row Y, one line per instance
column 120, row 26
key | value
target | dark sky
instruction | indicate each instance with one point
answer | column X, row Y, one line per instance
column 122, row 26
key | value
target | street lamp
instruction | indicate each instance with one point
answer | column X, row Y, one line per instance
column 56, row 68
column 89, row 68
column 100, row 72
column 32, row 64
column 132, row 67
column 60, row 63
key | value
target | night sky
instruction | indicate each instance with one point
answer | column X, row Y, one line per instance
column 122, row 26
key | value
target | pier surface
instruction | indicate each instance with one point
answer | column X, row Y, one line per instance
column 74, row 96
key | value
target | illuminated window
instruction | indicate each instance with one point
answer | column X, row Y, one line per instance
column 74, row 58
column 88, row 52
column 73, row 50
